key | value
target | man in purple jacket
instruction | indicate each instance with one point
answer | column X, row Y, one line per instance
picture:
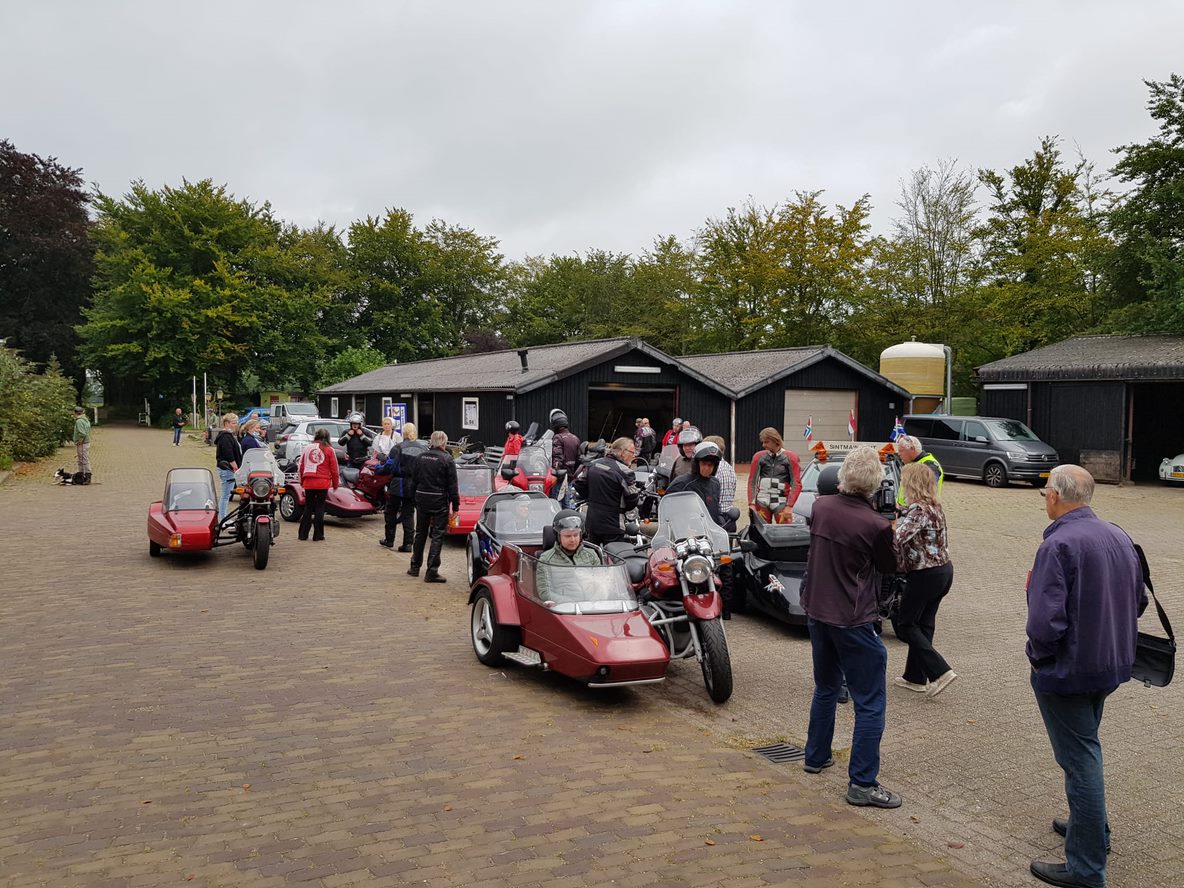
column 850, row 546
column 1085, row 595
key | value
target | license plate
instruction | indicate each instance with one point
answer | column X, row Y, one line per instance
column 1178, row 474
column 1045, row 474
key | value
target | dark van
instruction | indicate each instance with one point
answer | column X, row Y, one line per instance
column 993, row 448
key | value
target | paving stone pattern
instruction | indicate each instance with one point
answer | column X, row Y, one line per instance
column 191, row 720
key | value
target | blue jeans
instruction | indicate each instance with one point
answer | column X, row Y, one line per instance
column 227, row 477
column 176, row 434
column 1072, row 721
column 857, row 653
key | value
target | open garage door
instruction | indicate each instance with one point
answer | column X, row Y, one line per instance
column 612, row 410
column 1157, row 426
column 829, row 408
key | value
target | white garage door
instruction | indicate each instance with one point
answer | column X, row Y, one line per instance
column 830, row 410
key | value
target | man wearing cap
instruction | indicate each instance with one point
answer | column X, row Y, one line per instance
column 82, row 443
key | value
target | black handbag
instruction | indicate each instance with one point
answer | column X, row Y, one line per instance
column 1155, row 657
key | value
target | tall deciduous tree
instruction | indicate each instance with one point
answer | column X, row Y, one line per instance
column 1147, row 267
column 45, row 257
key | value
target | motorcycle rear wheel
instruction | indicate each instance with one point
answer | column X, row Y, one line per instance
column 715, row 660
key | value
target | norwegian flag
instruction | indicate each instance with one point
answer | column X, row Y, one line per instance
column 897, row 430
column 808, row 431
column 851, row 425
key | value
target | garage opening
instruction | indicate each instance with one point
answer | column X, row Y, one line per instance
column 828, row 411
column 1157, row 427
column 612, row 410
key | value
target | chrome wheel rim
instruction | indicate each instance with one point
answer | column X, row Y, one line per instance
column 482, row 626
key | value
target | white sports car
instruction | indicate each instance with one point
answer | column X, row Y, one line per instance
column 1171, row 471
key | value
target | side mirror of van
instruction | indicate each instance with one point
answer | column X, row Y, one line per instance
column 981, row 439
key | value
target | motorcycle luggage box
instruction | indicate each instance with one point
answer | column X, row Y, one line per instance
column 780, row 542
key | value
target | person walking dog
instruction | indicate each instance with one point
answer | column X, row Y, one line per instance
column 1085, row 595
column 81, row 438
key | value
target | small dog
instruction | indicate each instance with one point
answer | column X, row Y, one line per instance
column 64, row 477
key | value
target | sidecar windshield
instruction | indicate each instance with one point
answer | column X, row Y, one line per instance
column 571, row 589
column 475, row 481
column 189, row 489
column 521, row 520
column 684, row 516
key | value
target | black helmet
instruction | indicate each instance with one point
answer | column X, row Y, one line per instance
column 689, row 436
column 558, row 420
column 569, row 519
column 828, row 480
column 512, row 427
column 706, row 451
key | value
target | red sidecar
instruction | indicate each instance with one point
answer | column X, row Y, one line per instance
column 186, row 520
column 361, row 493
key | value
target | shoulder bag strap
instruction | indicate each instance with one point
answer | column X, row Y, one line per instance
column 1146, row 569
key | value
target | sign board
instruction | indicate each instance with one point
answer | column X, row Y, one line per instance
column 397, row 413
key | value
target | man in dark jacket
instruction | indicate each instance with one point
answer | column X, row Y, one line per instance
column 701, row 479
column 400, row 498
column 434, row 482
column 1085, row 595
column 356, row 442
column 850, row 546
column 229, row 456
column 565, row 454
column 609, row 490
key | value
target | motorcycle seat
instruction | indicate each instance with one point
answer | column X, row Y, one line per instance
column 348, row 475
column 635, row 562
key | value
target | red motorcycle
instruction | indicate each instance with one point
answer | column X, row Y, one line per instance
column 530, row 469
column 679, row 586
column 361, row 493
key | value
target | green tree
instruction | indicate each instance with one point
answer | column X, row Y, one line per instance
column 1043, row 246
column 350, row 362
column 36, row 409
column 1147, row 265
column 45, row 257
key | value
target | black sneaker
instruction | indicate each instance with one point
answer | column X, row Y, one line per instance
column 817, row 769
column 872, row 797
column 404, row 548
column 384, row 542
column 433, row 577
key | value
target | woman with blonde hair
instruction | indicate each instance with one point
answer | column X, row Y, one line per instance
column 923, row 554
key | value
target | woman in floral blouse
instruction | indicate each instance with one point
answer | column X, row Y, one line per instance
column 923, row 556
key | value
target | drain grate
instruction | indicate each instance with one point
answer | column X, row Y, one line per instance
column 780, row 753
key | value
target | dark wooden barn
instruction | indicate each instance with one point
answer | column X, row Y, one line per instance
column 1109, row 403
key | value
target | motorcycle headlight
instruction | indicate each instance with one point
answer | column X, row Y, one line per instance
column 261, row 488
column 696, row 569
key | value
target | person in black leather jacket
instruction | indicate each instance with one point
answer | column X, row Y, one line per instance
column 356, row 442
column 434, row 482
column 609, row 489
column 701, row 479
column 565, row 455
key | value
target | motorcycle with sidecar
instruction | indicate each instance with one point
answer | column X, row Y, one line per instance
column 360, row 493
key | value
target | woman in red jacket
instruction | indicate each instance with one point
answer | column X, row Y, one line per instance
column 318, row 472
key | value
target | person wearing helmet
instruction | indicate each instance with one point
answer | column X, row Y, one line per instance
column 356, row 441
column 565, row 455
column 513, row 439
column 569, row 549
column 519, row 521
column 688, row 440
column 610, row 490
column 704, row 463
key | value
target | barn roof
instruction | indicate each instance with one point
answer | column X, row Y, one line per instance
column 1104, row 357
column 745, row 372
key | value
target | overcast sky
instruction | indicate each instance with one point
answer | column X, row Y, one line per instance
column 560, row 126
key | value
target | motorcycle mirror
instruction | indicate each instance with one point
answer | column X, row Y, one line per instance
column 632, row 528
column 732, row 513
column 508, row 472
column 747, row 546
column 560, row 473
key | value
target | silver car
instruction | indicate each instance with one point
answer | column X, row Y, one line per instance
column 294, row 438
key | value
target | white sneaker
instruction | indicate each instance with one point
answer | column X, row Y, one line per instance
column 941, row 683
column 900, row 682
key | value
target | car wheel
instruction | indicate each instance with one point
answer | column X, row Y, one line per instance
column 290, row 509
column 153, row 549
column 490, row 640
column 995, row 475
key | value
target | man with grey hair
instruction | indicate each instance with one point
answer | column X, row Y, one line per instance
column 909, row 450
column 850, row 546
column 609, row 490
column 434, row 482
column 1085, row 595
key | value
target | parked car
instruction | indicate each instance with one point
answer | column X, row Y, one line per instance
column 292, row 439
column 263, row 414
column 289, row 413
column 1171, row 471
column 993, row 448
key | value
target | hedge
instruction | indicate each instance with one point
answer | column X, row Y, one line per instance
column 36, row 409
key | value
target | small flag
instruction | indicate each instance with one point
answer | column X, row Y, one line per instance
column 851, row 426
column 808, row 431
column 897, row 430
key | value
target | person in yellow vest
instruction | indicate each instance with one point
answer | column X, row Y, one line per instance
column 909, row 450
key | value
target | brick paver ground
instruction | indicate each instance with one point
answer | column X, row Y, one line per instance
column 193, row 721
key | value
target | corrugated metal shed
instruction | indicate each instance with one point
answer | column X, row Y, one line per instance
column 1093, row 357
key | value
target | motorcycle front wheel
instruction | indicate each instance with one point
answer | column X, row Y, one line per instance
column 715, row 660
column 262, row 548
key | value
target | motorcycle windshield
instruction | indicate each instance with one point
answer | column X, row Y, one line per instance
column 258, row 459
column 684, row 516
column 577, row 589
column 474, row 482
column 534, row 460
column 189, row 489
column 667, row 457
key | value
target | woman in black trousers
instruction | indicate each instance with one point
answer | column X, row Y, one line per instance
column 923, row 555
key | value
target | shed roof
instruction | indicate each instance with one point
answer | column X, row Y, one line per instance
column 745, row 372
column 1108, row 356
column 502, row 370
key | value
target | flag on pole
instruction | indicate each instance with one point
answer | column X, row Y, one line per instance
column 808, row 431
column 851, row 426
column 897, row 430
